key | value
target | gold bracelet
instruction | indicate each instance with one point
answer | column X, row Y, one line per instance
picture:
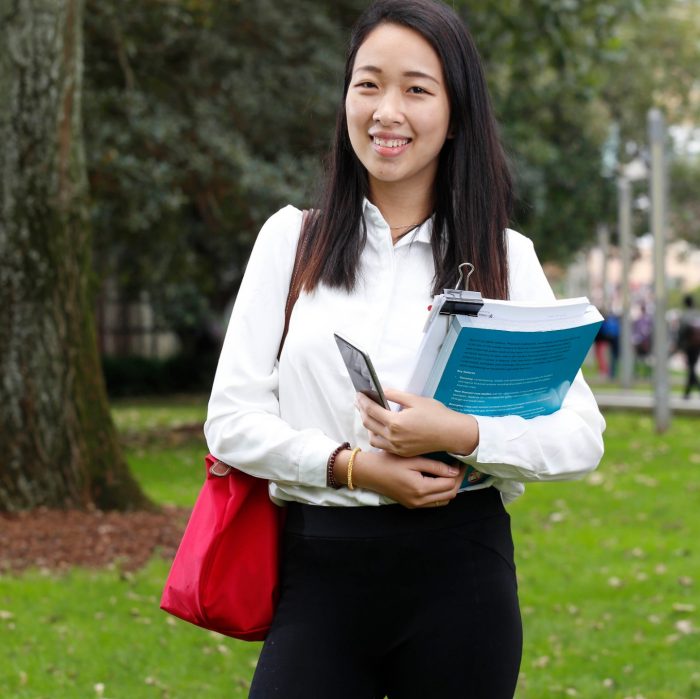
column 353, row 454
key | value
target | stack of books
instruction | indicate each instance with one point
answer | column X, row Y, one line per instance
column 503, row 357
column 508, row 358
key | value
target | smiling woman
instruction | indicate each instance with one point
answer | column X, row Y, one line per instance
column 396, row 581
column 406, row 61
column 398, row 114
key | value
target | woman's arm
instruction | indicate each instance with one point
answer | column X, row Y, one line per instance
column 566, row 444
column 243, row 424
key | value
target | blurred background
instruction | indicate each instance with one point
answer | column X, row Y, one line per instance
column 142, row 145
column 202, row 118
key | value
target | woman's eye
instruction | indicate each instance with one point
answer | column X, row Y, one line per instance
column 366, row 84
column 416, row 90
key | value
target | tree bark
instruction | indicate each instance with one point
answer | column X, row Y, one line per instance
column 58, row 444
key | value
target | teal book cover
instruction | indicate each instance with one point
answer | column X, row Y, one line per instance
column 506, row 372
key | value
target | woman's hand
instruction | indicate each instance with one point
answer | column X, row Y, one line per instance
column 412, row 482
column 424, row 425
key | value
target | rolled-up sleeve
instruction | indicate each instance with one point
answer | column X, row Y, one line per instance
column 243, row 425
column 566, row 444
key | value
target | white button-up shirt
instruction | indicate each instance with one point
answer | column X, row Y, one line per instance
column 281, row 421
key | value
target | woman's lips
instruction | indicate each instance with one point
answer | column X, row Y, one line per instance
column 389, row 147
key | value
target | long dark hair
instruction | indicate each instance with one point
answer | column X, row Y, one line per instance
column 473, row 187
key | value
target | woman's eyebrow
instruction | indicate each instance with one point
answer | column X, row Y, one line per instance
column 407, row 74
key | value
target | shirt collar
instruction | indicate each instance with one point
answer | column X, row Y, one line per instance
column 373, row 217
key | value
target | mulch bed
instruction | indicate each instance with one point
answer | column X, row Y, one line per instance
column 57, row 540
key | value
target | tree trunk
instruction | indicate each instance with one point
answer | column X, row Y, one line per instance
column 58, row 444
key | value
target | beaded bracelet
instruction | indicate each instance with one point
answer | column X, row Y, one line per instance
column 351, row 462
column 330, row 478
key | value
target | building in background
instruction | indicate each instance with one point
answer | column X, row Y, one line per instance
column 127, row 328
column 599, row 275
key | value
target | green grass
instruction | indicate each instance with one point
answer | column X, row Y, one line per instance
column 609, row 571
column 101, row 634
column 169, row 473
column 153, row 414
column 165, row 445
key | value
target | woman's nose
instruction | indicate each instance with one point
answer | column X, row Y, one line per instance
column 388, row 110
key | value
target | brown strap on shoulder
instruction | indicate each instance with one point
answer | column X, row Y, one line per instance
column 294, row 285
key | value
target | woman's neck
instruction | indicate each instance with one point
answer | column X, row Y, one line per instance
column 401, row 209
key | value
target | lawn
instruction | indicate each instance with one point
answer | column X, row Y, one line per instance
column 609, row 571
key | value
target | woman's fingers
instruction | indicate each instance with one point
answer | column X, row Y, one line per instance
column 424, row 425
column 440, row 495
column 370, row 409
column 413, row 482
column 373, row 426
column 439, row 469
column 376, row 420
column 400, row 397
column 439, row 482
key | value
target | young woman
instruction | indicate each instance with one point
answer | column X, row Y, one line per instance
column 393, row 584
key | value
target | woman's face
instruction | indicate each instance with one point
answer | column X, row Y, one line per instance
column 397, row 108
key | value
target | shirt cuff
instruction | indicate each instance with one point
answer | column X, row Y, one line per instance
column 470, row 459
column 313, row 460
column 495, row 436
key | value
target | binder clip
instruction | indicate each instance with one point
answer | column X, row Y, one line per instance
column 462, row 301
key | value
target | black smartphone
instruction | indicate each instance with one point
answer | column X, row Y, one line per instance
column 362, row 373
column 364, row 379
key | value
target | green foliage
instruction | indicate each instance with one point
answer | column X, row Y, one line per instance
column 201, row 119
column 684, row 213
column 546, row 63
column 204, row 117
column 654, row 65
column 675, row 301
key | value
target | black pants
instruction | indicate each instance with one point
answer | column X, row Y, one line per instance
column 386, row 601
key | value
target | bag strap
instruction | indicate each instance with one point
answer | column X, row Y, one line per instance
column 294, row 286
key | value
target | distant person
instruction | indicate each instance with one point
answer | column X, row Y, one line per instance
column 642, row 333
column 608, row 342
column 613, row 332
column 600, row 348
column 689, row 342
column 393, row 582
